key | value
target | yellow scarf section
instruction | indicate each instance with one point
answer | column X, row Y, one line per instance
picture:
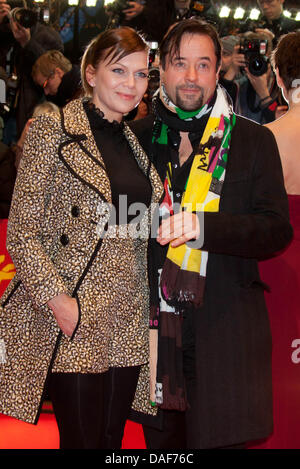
column 197, row 197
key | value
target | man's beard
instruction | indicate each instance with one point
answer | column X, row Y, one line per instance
column 190, row 103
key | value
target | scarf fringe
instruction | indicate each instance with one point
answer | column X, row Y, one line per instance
column 181, row 288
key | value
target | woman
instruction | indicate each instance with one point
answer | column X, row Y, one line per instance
column 75, row 317
column 286, row 62
column 282, row 272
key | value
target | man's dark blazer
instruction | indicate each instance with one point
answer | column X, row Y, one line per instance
column 233, row 339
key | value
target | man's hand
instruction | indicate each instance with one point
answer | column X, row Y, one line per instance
column 267, row 33
column 134, row 10
column 179, row 229
column 260, row 83
column 4, row 10
column 21, row 34
column 237, row 62
column 65, row 310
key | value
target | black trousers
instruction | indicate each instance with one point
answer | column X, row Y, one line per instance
column 177, row 432
column 91, row 409
column 173, row 435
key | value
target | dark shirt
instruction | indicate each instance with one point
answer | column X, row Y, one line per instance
column 280, row 26
column 170, row 153
column 180, row 174
column 125, row 176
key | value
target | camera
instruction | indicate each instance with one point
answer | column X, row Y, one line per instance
column 26, row 18
column 116, row 10
column 255, row 51
column 153, row 48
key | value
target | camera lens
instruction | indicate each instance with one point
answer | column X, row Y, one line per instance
column 258, row 66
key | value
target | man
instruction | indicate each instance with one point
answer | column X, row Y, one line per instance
column 213, row 372
column 274, row 19
column 229, row 70
column 60, row 80
column 258, row 96
column 28, row 44
column 156, row 16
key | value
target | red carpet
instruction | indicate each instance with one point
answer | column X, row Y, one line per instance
column 19, row 435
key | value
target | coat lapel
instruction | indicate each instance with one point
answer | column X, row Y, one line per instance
column 79, row 151
column 81, row 155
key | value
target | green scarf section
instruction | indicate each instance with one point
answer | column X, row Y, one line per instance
column 183, row 115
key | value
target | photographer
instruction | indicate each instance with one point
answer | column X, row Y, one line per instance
column 154, row 17
column 6, row 36
column 60, row 80
column 229, row 70
column 258, row 95
column 274, row 19
column 31, row 38
column 127, row 13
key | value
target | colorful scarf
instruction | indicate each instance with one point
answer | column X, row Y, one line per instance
column 181, row 280
column 184, row 271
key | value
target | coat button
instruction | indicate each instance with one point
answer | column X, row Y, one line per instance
column 75, row 211
column 64, row 239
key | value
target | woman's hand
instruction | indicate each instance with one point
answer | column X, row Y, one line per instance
column 178, row 229
column 65, row 310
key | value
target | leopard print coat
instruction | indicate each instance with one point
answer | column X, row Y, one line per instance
column 58, row 242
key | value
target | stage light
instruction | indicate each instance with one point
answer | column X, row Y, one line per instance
column 239, row 13
column 287, row 13
column 91, row 3
column 254, row 14
column 224, row 12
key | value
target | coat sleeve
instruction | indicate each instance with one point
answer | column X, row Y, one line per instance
column 27, row 220
column 263, row 229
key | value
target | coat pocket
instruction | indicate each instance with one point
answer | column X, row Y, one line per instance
column 255, row 283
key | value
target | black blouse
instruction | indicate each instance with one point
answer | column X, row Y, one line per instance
column 125, row 176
